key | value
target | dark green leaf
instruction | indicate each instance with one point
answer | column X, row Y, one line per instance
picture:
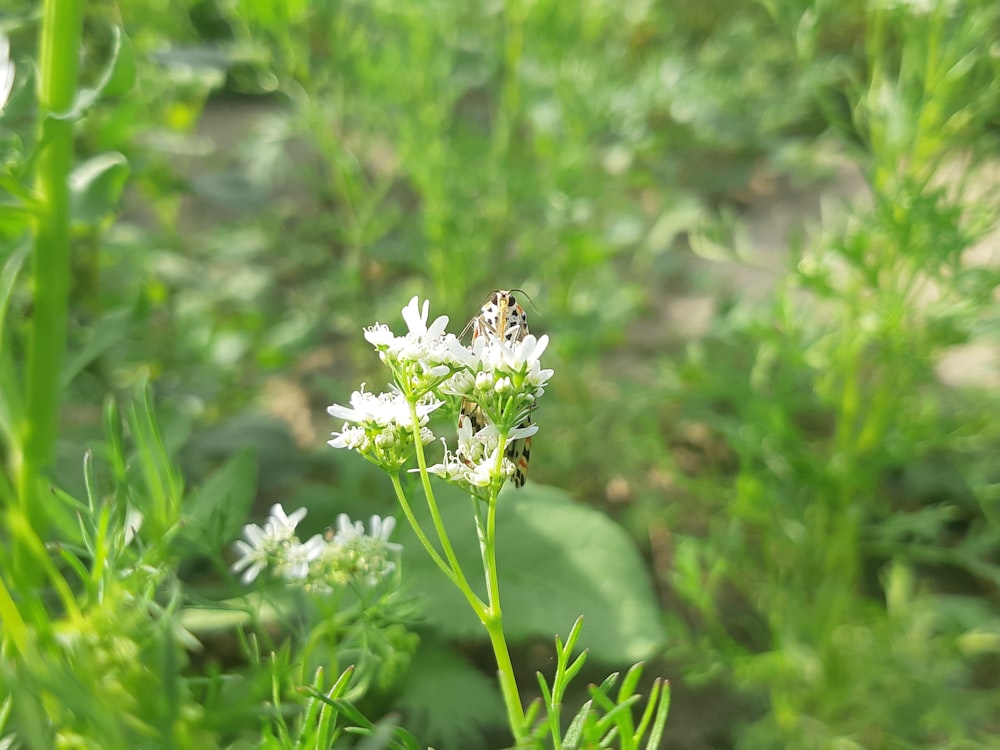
column 220, row 505
column 448, row 702
column 110, row 329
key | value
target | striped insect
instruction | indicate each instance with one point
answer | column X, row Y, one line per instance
column 501, row 317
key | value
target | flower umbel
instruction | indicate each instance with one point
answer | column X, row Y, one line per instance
column 422, row 358
column 506, row 380
column 322, row 561
column 498, row 380
column 381, row 429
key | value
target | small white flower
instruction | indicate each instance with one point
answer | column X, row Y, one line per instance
column 474, row 461
column 293, row 564
column 267, row 544
column 460, row 384
column 481, row 474
column 451, row 466
column 352, row 437
column 415, row 318
column 282, row 526
column 254, row 553
column 425, row 355
column 366, row 555
column 379, row 335
column 520, row 356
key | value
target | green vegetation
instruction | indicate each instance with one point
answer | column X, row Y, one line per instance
column 761, row 237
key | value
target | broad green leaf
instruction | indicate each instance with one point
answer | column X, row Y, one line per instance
column 96, row 186
column 448, row 701
column 119, row 74
column 558, row 559
column 231, row 614
column 117, row 77
column 219, row 506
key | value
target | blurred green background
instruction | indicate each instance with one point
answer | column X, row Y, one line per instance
column 761, row 236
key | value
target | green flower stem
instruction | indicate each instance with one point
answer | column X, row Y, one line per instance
column 494, row 625
column 457, row 575
column 493, row 621
column 62, row 22
column 488, row 614
column 505, row 672
column 419, row 531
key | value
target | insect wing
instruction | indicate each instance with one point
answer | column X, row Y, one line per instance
column 501, row 317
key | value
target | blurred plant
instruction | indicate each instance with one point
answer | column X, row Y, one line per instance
column 97, row 624
column 842, row 579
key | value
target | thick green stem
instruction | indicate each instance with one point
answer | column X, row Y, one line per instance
column 505, row 672
column 57, row 73
column 494, row 626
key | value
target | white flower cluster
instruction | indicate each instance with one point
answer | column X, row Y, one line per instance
column 476, row 460
column 378, row 426
column 425, row 356
column 504, row 379
column 322, row 561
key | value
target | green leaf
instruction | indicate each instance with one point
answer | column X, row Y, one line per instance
column 219, row 506
column 109, row 330
column 8, row 276
column 117, row 77
column 558, row 559
column 661, row 691
column 96, row 185
column 120, row 72
column 11, row 406
column 447, row 701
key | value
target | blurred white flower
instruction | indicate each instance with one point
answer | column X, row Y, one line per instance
column 281, row 526
column 323, row 560
column 267, row 544
column 254, row 553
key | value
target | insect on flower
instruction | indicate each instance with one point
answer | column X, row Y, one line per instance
column 500, row 318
